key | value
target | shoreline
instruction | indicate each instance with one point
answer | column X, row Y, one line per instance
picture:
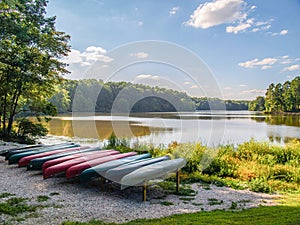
column 75, row 202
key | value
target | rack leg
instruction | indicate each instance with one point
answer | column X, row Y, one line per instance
column 177, row 181
column 145, row 192
column 102, row 183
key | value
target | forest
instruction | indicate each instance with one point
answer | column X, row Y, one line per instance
column 279, row 98
column 94, row 95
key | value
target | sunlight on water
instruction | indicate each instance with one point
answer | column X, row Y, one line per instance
column 211, row 128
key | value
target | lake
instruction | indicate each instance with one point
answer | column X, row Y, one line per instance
column 209, row 127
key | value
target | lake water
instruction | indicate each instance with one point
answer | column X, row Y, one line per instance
column 209, row 127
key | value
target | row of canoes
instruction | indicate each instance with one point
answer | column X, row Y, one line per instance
column 127, row 169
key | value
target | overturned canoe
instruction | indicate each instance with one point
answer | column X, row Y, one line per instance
column 25, row 160
column 117, row 173
column 62, row 167
column 74, row 171
column 16, row 157
column 17, row 151
column 12, row 149
column 99, row 170
column 152, row 171
column 36, row 164
column 67, row 157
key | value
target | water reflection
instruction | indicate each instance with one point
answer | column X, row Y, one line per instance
column 212, row 128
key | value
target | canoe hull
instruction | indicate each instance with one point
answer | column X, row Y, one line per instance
column 157, row 170
column 62, row 167
column 77, row 169
column 96, row 171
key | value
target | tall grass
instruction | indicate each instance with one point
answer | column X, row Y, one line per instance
column 259, row 166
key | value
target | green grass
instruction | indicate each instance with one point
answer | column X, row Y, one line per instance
column 42, row 198
column 275, row 215
column 15, row 206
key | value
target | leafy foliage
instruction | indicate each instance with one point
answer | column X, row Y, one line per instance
column 279, row 98
column 30, row 49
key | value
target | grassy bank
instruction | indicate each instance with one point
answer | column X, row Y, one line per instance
column 258, row 166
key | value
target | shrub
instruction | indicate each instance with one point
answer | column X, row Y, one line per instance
column 260, row 185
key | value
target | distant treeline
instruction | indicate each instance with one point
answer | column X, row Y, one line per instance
column 279, row 98
column 219, row 104
column 94, row 95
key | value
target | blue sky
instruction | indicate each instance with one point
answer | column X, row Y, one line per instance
column 246, row 45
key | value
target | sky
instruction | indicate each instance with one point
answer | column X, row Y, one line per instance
column 231, row 49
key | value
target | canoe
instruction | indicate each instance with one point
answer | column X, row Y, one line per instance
column 117, row 173
column 4, row 152
column 67, row 157
column 16, row 157
column 17, row 151
column 74, row 171
column 153, row 171
column 62, row 167
column 25, row 160
column 99, row 170
column 36, row 164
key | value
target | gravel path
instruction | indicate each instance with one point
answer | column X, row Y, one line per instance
column 68, row 200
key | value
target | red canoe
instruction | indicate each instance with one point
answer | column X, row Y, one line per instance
column 75, row 170
column 25, row 160
column 53, row 162
column 61, row 167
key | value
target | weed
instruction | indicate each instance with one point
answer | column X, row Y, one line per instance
column 233, row 205
column 53, row 193
column 214, row 201
column 42, row 198
column 166, row 203
column 6, row 194
column 187, row 199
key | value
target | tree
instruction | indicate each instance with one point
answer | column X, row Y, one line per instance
column 258, row 104
column 30, row 49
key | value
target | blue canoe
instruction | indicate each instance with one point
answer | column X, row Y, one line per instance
column 116, row 174
column 16, row 157
column 96, row 171
column 153, row 171
column 14, row 149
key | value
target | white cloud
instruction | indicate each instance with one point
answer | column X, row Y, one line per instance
column 264, row 63
column 266, row 67
column 239, row 28
column 234, row 12
column 87, row 57
column 217, row 12
column 140, row 23
column 72, row 57
column 187, row 83
column 243, row 85
column 194, row 87
column 254, row 91
column 281, row 33
column 140, row 55
column 291, row 68
column 174, row 11
column 227, row 88
column 96, row 49
column 148, row 76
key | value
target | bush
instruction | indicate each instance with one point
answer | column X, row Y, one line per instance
column 28, row 131
column 260, row 185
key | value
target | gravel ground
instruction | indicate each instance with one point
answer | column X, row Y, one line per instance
column 70, row 201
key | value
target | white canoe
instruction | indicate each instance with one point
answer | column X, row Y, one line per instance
column 153, row 171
